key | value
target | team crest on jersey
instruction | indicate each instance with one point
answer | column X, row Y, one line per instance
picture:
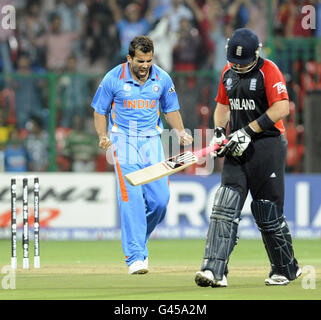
column 229, row 82
column 253, row 84
column 156, row 88
column 127, row 87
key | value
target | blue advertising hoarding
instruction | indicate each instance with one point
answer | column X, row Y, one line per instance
column 84, row 207
column 192, row 198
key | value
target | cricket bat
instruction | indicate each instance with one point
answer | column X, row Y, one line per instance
column 169, row 166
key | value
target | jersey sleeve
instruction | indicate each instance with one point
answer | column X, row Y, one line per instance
column 104, row 96
column 221, row 94
column 169, row 100
column 275, row 84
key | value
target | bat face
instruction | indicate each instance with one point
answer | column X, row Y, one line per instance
column 180, row 160
column 169, row 166
column 162, row 169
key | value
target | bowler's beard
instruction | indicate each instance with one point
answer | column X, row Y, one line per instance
column 138, row 75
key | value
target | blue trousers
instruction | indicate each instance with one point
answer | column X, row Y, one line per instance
column 141, row 208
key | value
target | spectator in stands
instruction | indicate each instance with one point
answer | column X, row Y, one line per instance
column 178, row 11
column 131, row 24
column 32, row 25
column 80, row 147
column 202, row 13
column 101, row 41
column 48, row 5
column 73, row 90
column 16, row 158
column 57, row 43
column 219, row 33
column 72, row 14
column 5, row 130
column 37, row 145
column 238, row 12
column 28, row 92
column 257, row 19
column 162, row 9
column 221, row 29
column 164, row 42
column 186, row 49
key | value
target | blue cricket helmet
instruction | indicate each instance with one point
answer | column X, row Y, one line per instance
column 243, row 47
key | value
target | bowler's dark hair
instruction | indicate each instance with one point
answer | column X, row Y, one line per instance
column 141, row 43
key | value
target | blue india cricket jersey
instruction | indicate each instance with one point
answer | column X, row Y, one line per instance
column 135, row 124
column 134, row 109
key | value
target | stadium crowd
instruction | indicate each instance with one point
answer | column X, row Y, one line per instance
column 86, row 37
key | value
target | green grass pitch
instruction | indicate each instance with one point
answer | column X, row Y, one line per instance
column 96, row 270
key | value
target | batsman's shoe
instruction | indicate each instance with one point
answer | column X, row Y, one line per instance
column 146, row 262
column 206, row 279
column 138, row 267
column 279, row 280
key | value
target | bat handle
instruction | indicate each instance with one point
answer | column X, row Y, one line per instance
column 205, row 151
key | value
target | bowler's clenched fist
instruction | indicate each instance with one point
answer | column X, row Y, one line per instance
column 104, row 143
column 184, row 138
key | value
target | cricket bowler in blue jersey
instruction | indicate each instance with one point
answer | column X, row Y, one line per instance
column 132, row 96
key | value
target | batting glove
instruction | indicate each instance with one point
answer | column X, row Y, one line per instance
column 239, row 141
column 219, row 137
